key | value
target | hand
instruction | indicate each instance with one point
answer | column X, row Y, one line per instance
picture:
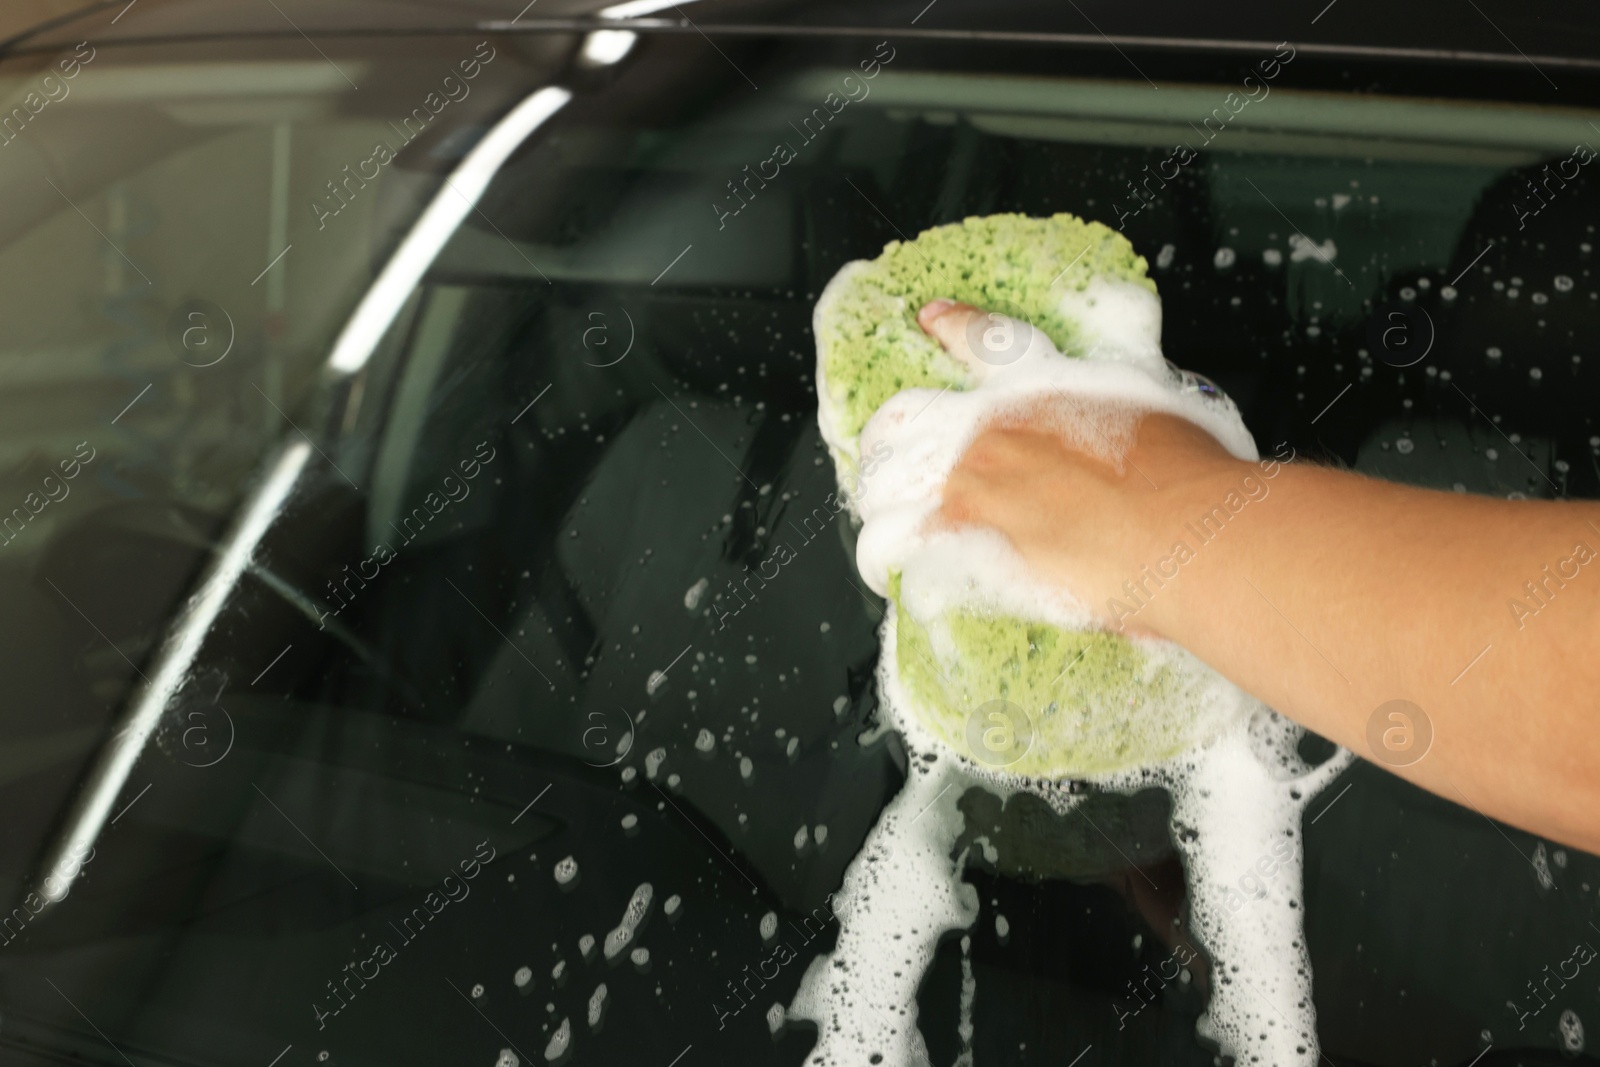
column 1088, row 520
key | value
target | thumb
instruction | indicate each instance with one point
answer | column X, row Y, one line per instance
column 986, row 342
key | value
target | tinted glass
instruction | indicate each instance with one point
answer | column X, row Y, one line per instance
column 498, row 668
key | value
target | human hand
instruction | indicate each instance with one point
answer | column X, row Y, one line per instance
column 1083, row 486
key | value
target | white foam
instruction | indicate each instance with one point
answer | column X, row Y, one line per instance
column 899, row 895
column 1237, row 798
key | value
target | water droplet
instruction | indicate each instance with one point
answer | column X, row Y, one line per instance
column 559, row 1041
column 632, row 917
column 691, row 599
column 1571, row 1028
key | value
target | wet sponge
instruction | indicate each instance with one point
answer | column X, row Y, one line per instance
column 869, row 344
column 1013, row 694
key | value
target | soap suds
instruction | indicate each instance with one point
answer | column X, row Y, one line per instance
column 976, row 624
column 965, row 609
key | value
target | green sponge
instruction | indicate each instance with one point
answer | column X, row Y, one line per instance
column 1090, row 702
column 1011, row 264
column 1069, row 703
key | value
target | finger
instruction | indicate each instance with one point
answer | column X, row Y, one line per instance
column 984, row 341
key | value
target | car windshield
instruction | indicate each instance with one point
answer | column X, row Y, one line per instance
column 483, row 685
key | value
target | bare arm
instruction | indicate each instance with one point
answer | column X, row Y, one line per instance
column 1328, row 595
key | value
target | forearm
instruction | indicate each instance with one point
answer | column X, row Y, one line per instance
column 1329, row 595
column 1325, row 594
